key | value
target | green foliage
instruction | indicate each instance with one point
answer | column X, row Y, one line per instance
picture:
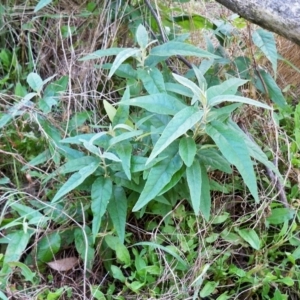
column 165, row 195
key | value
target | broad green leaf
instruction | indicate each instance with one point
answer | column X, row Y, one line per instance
column 101, row 194
column 205, row 202
column 222, row 113
column 191, row 22
column 159, row 176
column 124, row 151
column 251, row 237
column 213, row 158
column 20, row 90
column 273, row 90
column 35, row 82
column 27, row 212
column 110, row 110
column 178, row 89
column 84, row 245
column 96, row 293
column 149, row 82
column 25, row 271
column 45, row 104
column 194, row 180
column 17, row 243
column 208, row 288
column 142, row 36
column 48, row 246
column 110, row 156
column 235, row 151
column 228, row 87
column 157, row 103
column 101, row 53
column 165, row 249
column 125, row 70
column 117, row 209
column 200, row 78
column 5, row 119
column 189, row 84
column 254, row 149
column 121, row 57
column 122, row 254
column 117, row 273
column 287, row 281
column 124, row 136
column 266, row 42
column 231, row 98
column 42, row 4
column 187, row 150
column 280, row 215
column 76, row 164
column 75, row 180
column 178, row 48
column 174, row 180
column 179, row 125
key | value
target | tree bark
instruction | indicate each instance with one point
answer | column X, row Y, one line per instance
column 280, row 16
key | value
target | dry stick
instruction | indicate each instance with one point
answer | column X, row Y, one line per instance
column 164, row 37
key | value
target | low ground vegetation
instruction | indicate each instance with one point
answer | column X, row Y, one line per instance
column 145, row 154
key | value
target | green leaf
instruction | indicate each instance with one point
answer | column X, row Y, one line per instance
column 124, row 136
column 251, row 237
column 20, row 90
column 254, row 149
column 117, row 273
column 178, row 48
column 280, row 215
column 192, row 22
column 25, row 271
column 121, row 57
column 101, row 53
column 208, row 288
column 179, row 125
column 35, row 82
column 266, row 42
column 117, row 209
column 124, row 151
column 212, row 157
column 101, row 194
column 273, row 90
column 187, row 150
column 178, row 89
column 159, row 176
column 235, row 151
column 152, row 80
column 84, row 245
column 41, row 4
column 122, row 254
column 205, row 202
column 231, row 98
column 17, row 243
column 75, row 180
column 165, row 249
column 157, row 103
column 48, row 246
column 228, row 87
column 142, row 36
column 110, row 110
column 194, row 180
column 192, row 86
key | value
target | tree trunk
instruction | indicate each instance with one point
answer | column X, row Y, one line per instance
column 280, row 16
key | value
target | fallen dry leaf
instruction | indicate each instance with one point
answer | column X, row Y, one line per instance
column 64, row 264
